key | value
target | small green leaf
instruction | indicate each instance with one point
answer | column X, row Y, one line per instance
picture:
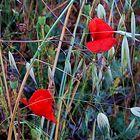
column 87, row 9
column 35, row 134
column 47, row 28
column 42, row 20
column 14, row 84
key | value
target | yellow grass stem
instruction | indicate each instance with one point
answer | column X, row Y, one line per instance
column 58, row 120
column 59, row 115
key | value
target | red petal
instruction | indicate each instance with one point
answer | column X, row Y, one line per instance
column 41, row 104
column 100, row 29
column 108, row 44
column 44, row 93
column 37, row 106
column 24, row 101
column 101, row 45
column 51, row 117
column 93, row 47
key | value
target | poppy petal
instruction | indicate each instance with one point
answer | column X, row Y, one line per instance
column 101, row 45
column 108, row 44
column 37, row 107
column 93, row 47
column 39, row 100
column 50, row 117
column 41, row 92
column 99, row 29
column 24, row 101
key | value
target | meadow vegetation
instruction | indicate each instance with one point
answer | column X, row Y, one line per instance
column 92, row 79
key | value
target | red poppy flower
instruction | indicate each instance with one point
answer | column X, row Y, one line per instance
column 102, row 35
column 41, row 104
